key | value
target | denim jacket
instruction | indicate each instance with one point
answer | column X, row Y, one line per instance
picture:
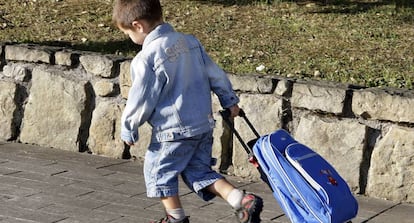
column 172, row 80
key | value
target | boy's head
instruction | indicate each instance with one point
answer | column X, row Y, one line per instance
column 127, row 11
column 137, row 18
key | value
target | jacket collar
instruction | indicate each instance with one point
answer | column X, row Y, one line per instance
column 157, row 32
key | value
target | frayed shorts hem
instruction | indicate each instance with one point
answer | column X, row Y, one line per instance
column 165, row 192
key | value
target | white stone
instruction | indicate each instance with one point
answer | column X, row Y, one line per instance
column 391, row 174
column 104, row 88
column 320, row 98
column 380, row 105
column 53, row 114
column 97, row 65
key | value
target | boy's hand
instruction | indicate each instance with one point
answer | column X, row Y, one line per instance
column 129, row 143
column 234, row 111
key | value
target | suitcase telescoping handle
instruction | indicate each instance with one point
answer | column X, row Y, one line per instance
column 226, row 117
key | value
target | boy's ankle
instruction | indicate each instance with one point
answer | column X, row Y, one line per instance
column 235, row 198
column 176, row 215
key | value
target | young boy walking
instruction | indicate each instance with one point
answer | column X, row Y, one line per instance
column 172, row 79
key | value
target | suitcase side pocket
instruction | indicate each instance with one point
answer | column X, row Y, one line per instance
column 309, row 164
column 334, row 190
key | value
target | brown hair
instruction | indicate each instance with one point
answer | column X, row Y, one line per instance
column 127, row 11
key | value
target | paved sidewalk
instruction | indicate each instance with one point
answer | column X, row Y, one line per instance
column 51, row 185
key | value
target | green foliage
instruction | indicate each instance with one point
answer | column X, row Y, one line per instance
column 361, row 42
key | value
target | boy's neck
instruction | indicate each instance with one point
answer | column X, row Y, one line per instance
column 153, row 26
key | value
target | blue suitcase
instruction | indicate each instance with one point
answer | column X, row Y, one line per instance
column 306, row 186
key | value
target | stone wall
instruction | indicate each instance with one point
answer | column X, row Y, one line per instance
column 65, row 99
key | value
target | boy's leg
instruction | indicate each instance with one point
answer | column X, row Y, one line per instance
column 207, row 183
column 171, row 202
column 163, row 163
column 225, row 190
column 221, row 188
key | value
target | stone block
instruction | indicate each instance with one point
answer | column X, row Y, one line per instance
column 56, row 110
column 265, row 113
column 104, row 132
column 98, row 65
column 28, row 53
column 105, row 88
column 265, row 85
column 8, row 107
column 250, row 83
column 283, row 87
column 383, row 105
column 340, row 142
column 329, row 99
column 18, row 71
column 66, row 58
column 391, row 175
column 125, row 78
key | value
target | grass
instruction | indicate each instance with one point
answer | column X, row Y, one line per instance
column 361, row 42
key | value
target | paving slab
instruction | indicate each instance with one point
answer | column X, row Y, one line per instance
column 50, row 185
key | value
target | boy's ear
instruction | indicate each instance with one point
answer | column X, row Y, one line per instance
column 141, row 26
column 138, row 26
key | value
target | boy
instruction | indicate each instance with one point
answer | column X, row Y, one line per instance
column 172, row 80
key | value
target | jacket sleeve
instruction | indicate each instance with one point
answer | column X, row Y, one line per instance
column 142, row 98
column 219, row 81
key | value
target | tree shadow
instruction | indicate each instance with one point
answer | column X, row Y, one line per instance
column 347, row 7
column 329, row 6
column 405, row 15
column 326, row 6
column 233, row 2
column 112, row 47
column 124, row 47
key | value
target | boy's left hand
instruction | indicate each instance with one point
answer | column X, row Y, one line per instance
column 129, row 143
column 234, row 111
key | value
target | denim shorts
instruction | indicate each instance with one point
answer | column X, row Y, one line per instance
column 190, row 157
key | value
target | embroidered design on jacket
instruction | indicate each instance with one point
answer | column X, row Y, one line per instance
column 175, row 50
